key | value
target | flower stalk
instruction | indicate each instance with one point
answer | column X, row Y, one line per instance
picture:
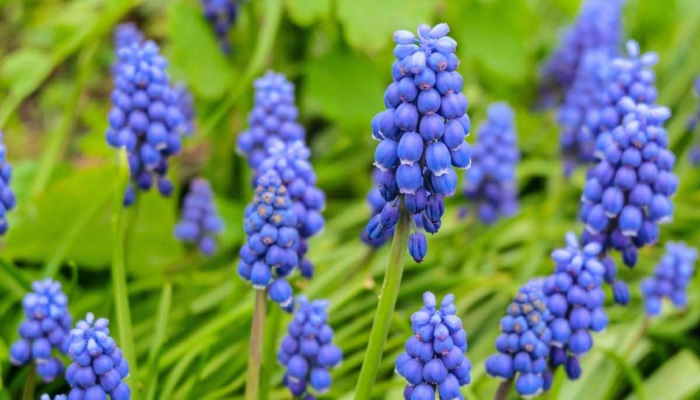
column 257, row 332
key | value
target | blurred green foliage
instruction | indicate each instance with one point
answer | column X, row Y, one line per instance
column 191, row 316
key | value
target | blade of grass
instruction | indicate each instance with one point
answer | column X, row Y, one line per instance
column 158, row 339
column 270, row 350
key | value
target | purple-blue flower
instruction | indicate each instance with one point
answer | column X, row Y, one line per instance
column 45, row 328
column 221, row 14
column 523, row 345
column 693, row 123
column 274, row 117
column 575, row 300
column 7, row 196
column 671, row 278
column 490, row 184
column 376, row 204
column 57, row 397
column 199, row 223
column 127, row 34
column 98, row 367
column 307, row 352
column 185, row 102
column 272, row 240
column 628, row 192
column 435, row 360
column 421, row 133
column 145, row 117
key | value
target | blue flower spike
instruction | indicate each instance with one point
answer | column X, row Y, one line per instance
column 127, row 34
column 272, row 241
column 46, row 328
column 145, row 117
column 671, row 278
column 575, row 300
column 435, row 360
column 523, row 345
column 307, row 352
column 693, row 123
column 57, row 397
column 7, row 196
column 221, row 15
column 199, row 222
column 98, row 367
column 421, row 133
column 490, row 183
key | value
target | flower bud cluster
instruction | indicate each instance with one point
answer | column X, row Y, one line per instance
column 7, row 196
column 200, row 222
column 221, row 14
column 670, row 279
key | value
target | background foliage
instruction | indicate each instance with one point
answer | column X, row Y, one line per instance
column 191, row 316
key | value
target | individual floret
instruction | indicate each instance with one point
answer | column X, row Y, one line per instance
column 221, row 14
column 98, row 367
column 435, row 360
column 274, row 117
column 575, row 300
column 7, row 196
column 421, row 133
column 46, row 328
column 307, row 352
column 272, row 241
column 145, row 117
column 199, row 222
column 523, row 346
column 670, row 279
column 127, row 34
column 490, row 182
column 376, row 204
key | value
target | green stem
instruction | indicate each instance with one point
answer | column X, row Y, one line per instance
column 503, row 389
column 158, row 339
column 385, row 308
column 256, row 340
column 30, row 384
column 121, row 296
column 270, row 350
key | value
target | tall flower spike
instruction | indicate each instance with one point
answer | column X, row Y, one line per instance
column 435, row 360
column 199, row 222
column 98, row 367
column 7, row 196
column 307, row 352
column 221, row 14
column 272, row 241
column 421, row 133
column 693, row 123
column 291, row 163
column 274, row 117
column 376, row 204
column 490, row 182
column 523, row 346
column 575, row 300
column 628, row 193
column 670, row 279
column 598, row 26
column 145, row 117
column 45, row 328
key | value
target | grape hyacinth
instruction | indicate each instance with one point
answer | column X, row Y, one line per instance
column 274, row 117
column 98, row 367
column 221, row 14
column 670, row 279
column 575, row 300
column 376, row 204
column 46, row 328
column 291, row 163
column 597, row 27
column 145, row 118
column 272, row 241
column 421, row 133
column 435, row 360
column 7, row 196
column 523, row 345
column 57, row 397
column 200, row 222
column 307, row 352
column 693, row 123
column 627, row 194
column 127, row 34
column 185, row 102
column 490, row 182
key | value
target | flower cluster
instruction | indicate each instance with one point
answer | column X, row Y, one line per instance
column 575, row 300
column 692, row 124
column 98, row 367
column 7, row 196
column 421, row 133
column 185, row 102
column 57, row 397
column 376, row 204
column 271, row 250
column 670, row 279
column 599, row 27
column 274, row 117
column 490, row 182
column 145, row 117
column 200, row 222
column 307, row 352
column 221, row 14
column 523, row 345
column 291, row 163
column 434, row 359
column 127, row 34
column 627, row 194
column 46, row 327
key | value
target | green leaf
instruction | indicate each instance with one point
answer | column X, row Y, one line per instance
column 23, row 70
column 676, row 379
column 369, row 24
column 306, row 12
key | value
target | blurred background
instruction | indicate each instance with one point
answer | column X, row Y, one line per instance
column 55, row 81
